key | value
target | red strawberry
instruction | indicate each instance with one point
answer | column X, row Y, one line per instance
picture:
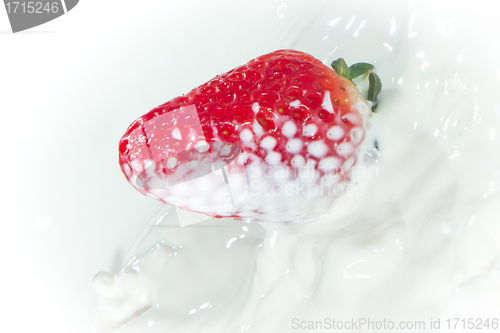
column 285, row 121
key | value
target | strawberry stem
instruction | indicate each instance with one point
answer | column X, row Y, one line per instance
column 358, row 69
column 374, row 88
column 341, row 68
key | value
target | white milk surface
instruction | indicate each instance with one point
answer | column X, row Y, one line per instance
column 415, row 243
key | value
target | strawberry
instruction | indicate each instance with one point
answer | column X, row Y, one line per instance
column 279, row 134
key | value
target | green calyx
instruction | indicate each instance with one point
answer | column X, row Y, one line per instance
column 356, row 70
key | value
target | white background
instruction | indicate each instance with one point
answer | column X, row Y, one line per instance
column 57, row 134
column 68, row 90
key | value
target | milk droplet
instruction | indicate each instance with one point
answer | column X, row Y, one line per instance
column 281, row 11
column 452, row 84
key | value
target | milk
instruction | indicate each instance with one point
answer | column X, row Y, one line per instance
column 414, row 241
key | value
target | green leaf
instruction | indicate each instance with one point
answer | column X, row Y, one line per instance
column 341, row 68
column 374, row 87
column 359, row 69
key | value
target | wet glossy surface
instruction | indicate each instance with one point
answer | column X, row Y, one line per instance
column 405, row 247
